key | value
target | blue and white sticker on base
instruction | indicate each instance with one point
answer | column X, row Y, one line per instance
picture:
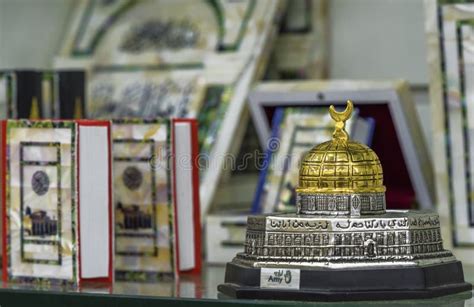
column 277, row 278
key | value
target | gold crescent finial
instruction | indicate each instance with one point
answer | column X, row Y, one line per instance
column 340, row 118
column 344, row 115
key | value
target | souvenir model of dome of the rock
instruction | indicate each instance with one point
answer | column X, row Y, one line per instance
column 342, row 243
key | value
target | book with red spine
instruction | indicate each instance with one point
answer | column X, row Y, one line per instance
column 156, row 196
column 56, row 191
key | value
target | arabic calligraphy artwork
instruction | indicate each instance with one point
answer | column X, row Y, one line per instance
column 157, row 35
column 155, row 94
column 179, row 30
column 136, row 52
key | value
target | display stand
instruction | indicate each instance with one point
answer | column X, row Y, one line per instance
column 200, row 291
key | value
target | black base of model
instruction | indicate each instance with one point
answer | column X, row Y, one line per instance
column 380, row 283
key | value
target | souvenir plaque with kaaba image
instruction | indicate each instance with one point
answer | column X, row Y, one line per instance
column 156, row 198
column 57, row 210
column 342, row 243
column 143, row 224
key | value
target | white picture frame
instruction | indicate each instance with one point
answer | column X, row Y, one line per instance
column 449, row 43
column 395, row 94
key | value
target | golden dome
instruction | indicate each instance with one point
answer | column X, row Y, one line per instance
column 340, row 165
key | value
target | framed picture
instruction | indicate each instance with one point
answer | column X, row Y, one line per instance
column 43, row 201
column 449, row 30
column 142, row 196
column 203, row 54
column 397, row 137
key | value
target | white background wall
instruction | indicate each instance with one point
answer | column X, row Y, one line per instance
column 378, row 39
column 369, row 38
column 381, row 39
column 31, row 31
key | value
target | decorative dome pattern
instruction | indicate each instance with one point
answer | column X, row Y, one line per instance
column 341, row 167
column 341, row 177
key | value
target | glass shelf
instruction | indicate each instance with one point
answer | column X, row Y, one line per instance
column 187, row 291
